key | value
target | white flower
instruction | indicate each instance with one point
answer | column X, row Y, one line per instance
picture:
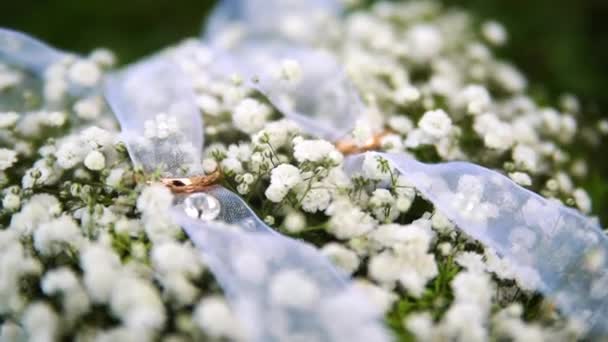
column 8, row 119
column 315, row 151
column 11, row 201
column 97, row 137
column 10, row 331
column 176, row 264
column 16, row 262
column 421, row 325
column 40, row 208
column 232, row 164
column 526, row 157
column 154, row 199
column 102, row 267
column 521, row 178
column 103, row 57
column 496, row 134
column 372, row 168
column 362, row 132
column 215, row 318
column 474, row 288
column 407, row 94
column 85, row 73
column 343, row 257
column 471, row 261
column 316, row 199
column 424, row 42
column 63, row 281
column 54, row 236
column 382, row 298
column 95, row 161
column 209, row 165
column 494, row 32
column 436, row 123
column 172, row 257
column 293, row 288
column 509, row 78
column 209, row 104
column 291, row 70
column 55, row 119
column 250, row 115
column 7, row 158
column 282, row 179
column 40, row 322
column 441, row 223
column 70, row 152
column 137, row 303
column 384, row 205
column 465, row 322
column 114, row 179
column 294, row 222
column 348, row 221
column 582, row 200
column 474, row 98
column 277, row 133
column 401, row 124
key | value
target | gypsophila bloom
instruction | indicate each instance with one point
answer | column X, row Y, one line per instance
column 494, row 32
column 40, row 322
column 85, row 73
column 291, row 70
column 436, row 123
column 250, row 115
column 294, row 222
column 54, row 236
column 7, row 158
column 95, row 161
column 315, row 151
column 8, row 119
column 214, row 316
column 342, row 256
column 283, row 178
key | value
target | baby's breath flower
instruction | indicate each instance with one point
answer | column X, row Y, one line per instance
column 342, row 256
column 315, row 151
column 8, row 119
column 283, row 178
column 85, row 73
column 294, row 222
column 7, row 158
column 250, row 115
column 436, row 123
column 95, row 161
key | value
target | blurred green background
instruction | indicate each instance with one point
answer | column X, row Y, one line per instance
column 561, row 45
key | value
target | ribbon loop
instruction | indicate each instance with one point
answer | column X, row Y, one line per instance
column 160, row 121
column 26, row 52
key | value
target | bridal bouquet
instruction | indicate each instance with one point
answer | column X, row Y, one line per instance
column 89, row 249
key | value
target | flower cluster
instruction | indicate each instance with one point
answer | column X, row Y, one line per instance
column 89, row 251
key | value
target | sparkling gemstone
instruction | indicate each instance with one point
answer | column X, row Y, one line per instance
column 202, row 206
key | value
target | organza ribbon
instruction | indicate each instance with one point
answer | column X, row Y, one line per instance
column 551, row 248
column 280, row 288
column 19, row 49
